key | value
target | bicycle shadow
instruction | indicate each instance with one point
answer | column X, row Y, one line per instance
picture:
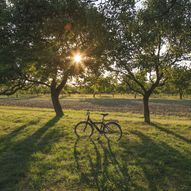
column 99, row 166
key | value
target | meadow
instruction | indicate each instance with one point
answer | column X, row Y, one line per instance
column 59, row 59
column 39, row 152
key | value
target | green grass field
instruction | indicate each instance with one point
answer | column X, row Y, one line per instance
column 39, row 152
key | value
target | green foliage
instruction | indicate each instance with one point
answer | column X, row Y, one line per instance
column 180, row 80
column 46, row 34
column 43, row 37
column 149, row 39
column 6, row 47
column 146, row 41
column 98, row 83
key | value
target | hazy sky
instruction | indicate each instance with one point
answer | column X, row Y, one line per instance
column 138, row 3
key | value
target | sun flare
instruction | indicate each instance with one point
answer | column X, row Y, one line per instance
column 77, row 58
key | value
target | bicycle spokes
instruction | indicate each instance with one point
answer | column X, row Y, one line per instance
column 83, row 129
column 113, row 131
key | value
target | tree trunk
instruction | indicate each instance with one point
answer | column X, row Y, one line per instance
column 146, row 109
column 55, row 92
column 56, row 102
column 181, row 94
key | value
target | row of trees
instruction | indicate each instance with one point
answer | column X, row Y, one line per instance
column 178, row 84
column 144, row 43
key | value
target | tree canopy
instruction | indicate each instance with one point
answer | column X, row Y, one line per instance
column 45, row 35
column 141, row 41
column 147, row 41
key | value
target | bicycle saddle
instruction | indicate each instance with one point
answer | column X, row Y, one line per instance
column 104, row 114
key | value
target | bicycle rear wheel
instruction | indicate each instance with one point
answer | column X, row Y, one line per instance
column 113, row 131
column 83, row 129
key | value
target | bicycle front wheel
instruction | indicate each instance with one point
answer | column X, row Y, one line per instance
column 83, row 129
column 113, row 131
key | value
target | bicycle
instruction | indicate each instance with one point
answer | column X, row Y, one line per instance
column 111, row 130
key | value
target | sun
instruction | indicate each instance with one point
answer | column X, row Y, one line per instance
column 77, row 58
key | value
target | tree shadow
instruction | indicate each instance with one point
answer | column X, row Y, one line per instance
column 171, row 102
column 99, row 167
column 20, row 97
column 171, row 133
column 15, row 157
column 14, row 132
column 6, row 140
column 113, row 102
column 164, row 167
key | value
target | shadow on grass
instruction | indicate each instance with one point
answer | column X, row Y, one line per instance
column 19, row 98
column 171, row 133
column 172, row 102
column 134, row 102
column 6, row 141
column 15, row 157
column 99, row 167
column 14, row 132
column 164, row 168
column 113, row 102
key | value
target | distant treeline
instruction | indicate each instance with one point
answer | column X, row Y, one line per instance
column 107, row 86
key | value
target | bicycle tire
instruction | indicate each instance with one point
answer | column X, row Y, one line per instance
column 84, row 125
column 112, row 131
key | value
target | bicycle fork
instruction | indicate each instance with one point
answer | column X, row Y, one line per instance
column 85, row 127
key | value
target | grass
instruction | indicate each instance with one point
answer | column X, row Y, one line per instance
column 40, row 152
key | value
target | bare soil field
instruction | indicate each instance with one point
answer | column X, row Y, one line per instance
column 157, row 106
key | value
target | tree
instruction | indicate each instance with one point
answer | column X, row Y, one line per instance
column 147, row 41
column 91, row 81
column 181, row 79
column 44, row 36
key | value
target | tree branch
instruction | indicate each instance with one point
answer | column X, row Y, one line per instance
column 133, row 89
column 63, row 83
column 132, row 78
column 135, row 80
column 36, row 82
column 26, row 78
column 15, row 88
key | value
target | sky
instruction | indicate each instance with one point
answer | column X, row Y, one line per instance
column 138, row 3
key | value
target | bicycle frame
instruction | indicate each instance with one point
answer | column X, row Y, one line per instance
column 103, row 127
column 100, row 130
